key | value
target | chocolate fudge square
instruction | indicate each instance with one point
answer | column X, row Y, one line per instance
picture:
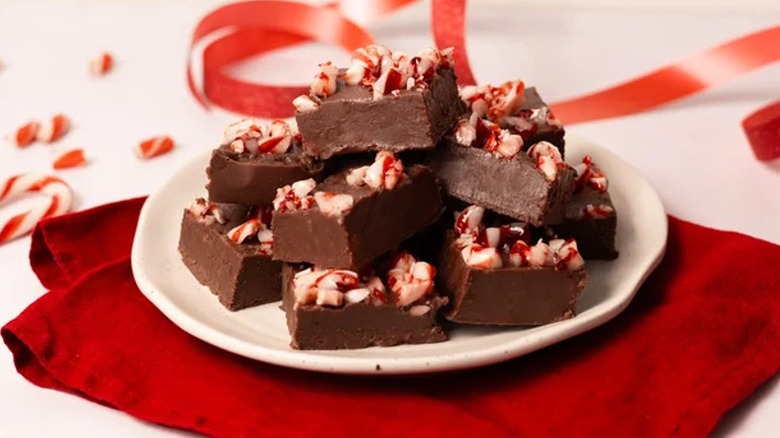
column 591, row 218
column 514, row 187
column 237, row 274
column 506, row 295
column 370, row 223
column 352, row 121
column 253, row 179
column 362, row 317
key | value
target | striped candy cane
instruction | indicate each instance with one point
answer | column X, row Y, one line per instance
column 59, row 202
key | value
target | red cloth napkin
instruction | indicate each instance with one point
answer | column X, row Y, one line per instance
column 699, row 337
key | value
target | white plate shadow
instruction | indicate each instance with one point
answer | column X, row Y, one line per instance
column 261, row 332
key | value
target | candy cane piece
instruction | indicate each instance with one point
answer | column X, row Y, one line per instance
column 101, row 65
column 52, row 130
column 25, row 134
column 60, row 201
column 71, row 158
column 154, row 146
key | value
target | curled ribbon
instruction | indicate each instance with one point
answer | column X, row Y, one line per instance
column 257, row 27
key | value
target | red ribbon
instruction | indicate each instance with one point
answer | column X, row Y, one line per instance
column 257, row 27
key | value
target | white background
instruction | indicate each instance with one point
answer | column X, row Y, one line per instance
column 693, row 152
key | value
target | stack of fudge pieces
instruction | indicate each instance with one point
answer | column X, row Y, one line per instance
column 399, row 202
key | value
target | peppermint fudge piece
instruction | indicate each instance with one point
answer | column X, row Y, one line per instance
column 231, row 254
column 482, row 164
column 355, row 215
column 591, row 218
column 384, row 101
column 254, row 160
column 494, row 276
column 330, row 309
column 519, row 109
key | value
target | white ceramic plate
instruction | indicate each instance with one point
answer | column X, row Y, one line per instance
column 261, row 333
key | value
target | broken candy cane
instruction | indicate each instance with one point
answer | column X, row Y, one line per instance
column 53, row 129
column 154, row 146
column 71, row 158
column 102, row 64
column 60, row 201
column 25, row 134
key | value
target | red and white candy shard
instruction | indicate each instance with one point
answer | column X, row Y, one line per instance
column 253, row 136
column 266, row 239
column 383, row 174
column 559, row 253
column 391, row 80
column 540, row 255
column 465, row 133
column 102, row 64
column 469, row 220
column 324, row 83
column 505, row 100
column 305, row 104
column 387, row 72
column 334, row 204
column 590, row 175
column 60, row 199
column 481, row 257
column 25, row 134
column 509, row 145
column 244, row 231
column 410, row 280
column 327, row 287
column 154, row 147
column 548, row 159
column 601, row 211
column 205, row 212
column 567, row 256
column 53, row 129
column 295, row 196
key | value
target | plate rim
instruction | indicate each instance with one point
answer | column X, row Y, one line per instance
column 322, row 362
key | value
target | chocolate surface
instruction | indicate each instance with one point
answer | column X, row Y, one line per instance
column 352, row 121
column 508, row 295
column 253, row 179
column 357, row 325
column 235, row 273
column 377, row 223
column 595, row 236
column 512, row 187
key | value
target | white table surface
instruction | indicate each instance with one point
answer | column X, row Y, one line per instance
column 693, row 152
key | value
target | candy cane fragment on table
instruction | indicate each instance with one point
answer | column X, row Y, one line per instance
column 25, row 135
column 60, row 200
column 53, row 129
column 154, row 146
column 102, row 64
column 70, row 158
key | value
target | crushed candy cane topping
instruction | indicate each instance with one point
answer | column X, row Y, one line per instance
column 295, row 196
column 384, row 72
column 494, row 247
column 481, row 133
column 251, row 136
column 335, row 287
column 205, row 212
column 601, row 211
column 411, row 281
column 548, row 159
column 503, row 105
column 588, row 174
column 256, row 230
column 334, row 204
column 383, row 174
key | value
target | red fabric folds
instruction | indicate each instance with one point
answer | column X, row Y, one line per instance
column 699, row 337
